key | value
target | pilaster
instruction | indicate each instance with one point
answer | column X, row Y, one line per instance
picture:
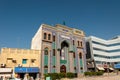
column 71, row 61
column 42, row 63
column 58, row 61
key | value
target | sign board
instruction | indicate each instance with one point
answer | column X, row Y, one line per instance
column 5, row 70
column 117, row 66
column 26, row 69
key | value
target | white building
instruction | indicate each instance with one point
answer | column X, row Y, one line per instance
column 104, row 53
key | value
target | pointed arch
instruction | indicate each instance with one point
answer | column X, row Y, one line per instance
column 45, row 35
column 63, row 69
column 46, row 51
column 64, row 44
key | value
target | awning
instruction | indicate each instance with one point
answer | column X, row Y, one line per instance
column 5, row 70
column 100, row 68
column 111, row 68
column 26, row 69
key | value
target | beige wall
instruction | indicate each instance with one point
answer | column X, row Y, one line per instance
column 12, row 57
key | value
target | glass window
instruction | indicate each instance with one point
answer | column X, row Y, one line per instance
column 99, row 43
column 46, row 70
column 45, row 66
column 45, row 35
column 53, row 52
column 80, row 55
column 73, row 55
column 81, row 44
column 49, row 36
column 33, row 60
column 53, row 38
column 24, row 61
column 81, row 68
column 46, row 51
column 54, row 66
column 9, row 60
column 14, row 61
column 73, row 42
column 78, row 43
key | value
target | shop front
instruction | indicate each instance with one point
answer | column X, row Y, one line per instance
column 27, row 72
column 6, row 72
column 100, row 67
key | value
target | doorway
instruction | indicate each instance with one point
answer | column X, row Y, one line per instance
column 63, row 69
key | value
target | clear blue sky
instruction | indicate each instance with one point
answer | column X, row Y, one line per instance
column 20, row 19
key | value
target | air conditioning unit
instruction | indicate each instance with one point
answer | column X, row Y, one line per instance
column 14, row 61
column 3, row 65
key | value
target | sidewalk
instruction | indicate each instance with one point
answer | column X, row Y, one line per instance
column 106, row 76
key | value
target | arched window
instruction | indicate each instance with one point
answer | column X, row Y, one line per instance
column 73, row 42
column 49, row 36
column 46, row 51
column 81, row 44
column 81, row 68
column 73, row 55
column 80, row 55
column 78, row 43
column 54, row 38
column 45, row 66
column 54, row 66
column 54, row 52
column 45, row 35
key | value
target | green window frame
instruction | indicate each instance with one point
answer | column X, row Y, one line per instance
column 24, row 61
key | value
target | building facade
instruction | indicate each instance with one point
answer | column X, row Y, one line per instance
column 62, row 49
column 19, row 62
column 103, row 54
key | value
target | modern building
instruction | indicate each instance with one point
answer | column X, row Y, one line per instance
column 62, row 49
column 102, row 54
column 19, row 62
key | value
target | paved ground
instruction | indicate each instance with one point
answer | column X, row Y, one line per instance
column 106, row 76
column 100, row 78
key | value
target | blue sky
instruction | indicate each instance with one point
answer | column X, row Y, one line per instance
column 20, row 19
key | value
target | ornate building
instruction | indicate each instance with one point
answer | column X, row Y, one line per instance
column 62, row 49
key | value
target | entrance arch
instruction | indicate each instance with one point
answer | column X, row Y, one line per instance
column 64, row 44
column 63, row 69
column 64, row 50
